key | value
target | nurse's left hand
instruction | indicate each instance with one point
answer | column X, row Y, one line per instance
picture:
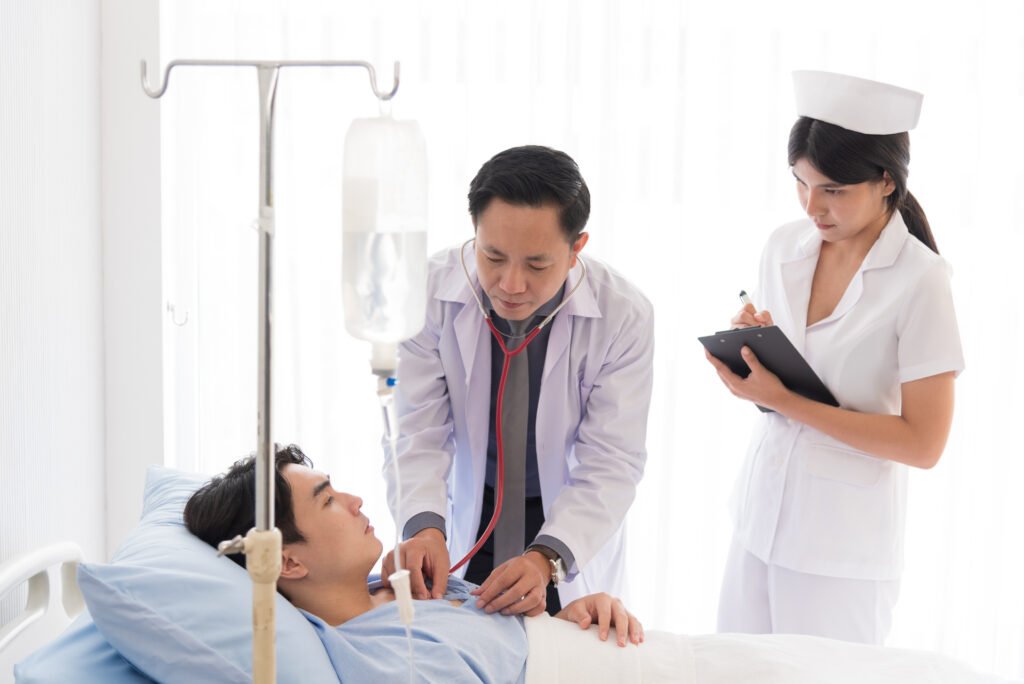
column 761, row 387
column 519, row 586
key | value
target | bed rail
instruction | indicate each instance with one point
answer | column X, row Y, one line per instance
column 53, row 601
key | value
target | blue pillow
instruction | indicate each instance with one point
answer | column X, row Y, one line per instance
column 80, row 655
column 177, row 612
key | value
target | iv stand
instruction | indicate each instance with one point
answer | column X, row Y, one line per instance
column 262, row 545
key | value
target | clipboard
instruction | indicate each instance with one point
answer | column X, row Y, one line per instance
column 776, row 353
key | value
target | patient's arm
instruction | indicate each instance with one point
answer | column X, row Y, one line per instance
column 607, row 611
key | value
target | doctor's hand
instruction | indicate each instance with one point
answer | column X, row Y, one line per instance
column 761, row 387
column 748, row 317
column 607, row 611
column 424, row 555
column 519, row 586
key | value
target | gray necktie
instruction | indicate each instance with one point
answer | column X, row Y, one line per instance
column 510, row 532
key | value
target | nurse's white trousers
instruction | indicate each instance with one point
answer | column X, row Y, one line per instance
column 761, row 598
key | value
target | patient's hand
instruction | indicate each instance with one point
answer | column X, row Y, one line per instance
column 607, row 611
column 424, row 555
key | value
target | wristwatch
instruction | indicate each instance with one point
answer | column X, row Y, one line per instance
column 557, row 564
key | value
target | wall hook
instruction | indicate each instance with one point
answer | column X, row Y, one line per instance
column 174, row 316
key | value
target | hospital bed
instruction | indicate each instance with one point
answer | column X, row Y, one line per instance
column 52, row 601
column 168, row 609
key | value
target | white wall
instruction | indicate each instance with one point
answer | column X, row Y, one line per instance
column 51, row 304
column 132, row 288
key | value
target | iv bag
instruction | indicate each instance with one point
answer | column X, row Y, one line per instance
column 384, row 230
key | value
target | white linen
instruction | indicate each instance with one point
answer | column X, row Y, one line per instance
column 561, row 652
column 800, row 659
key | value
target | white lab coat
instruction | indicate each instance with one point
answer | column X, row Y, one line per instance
column 808, row 502
column 591, row 417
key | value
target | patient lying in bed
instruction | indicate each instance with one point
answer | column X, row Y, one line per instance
column 329, row 549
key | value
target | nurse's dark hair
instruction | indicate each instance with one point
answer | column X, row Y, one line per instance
column 533, row 175
column 849, row 157
column 225, row 506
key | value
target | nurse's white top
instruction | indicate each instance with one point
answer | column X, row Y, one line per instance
column 804, row 500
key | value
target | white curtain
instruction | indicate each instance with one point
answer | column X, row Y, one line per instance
column 678, row 115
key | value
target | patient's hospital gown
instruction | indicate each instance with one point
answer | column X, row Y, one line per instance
column 449, row 643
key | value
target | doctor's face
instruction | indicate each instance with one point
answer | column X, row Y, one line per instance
column 522, row 256
column 842, row 211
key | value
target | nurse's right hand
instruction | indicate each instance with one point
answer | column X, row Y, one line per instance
column 424, row 555
column 748, row 317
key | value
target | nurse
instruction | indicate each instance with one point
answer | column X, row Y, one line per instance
column 860, row 290
column 575, row 401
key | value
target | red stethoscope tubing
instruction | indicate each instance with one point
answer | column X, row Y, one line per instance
column 499, row 490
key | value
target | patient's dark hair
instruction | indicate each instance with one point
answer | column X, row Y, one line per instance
column 226, row 505
column 533, row 175
column 849, row 157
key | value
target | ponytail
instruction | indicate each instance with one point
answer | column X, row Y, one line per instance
column 917, row 222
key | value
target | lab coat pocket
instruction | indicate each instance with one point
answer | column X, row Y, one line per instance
column 844, row 465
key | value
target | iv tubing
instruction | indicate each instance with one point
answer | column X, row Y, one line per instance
column 399, row 579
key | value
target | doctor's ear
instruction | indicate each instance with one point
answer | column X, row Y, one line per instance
column 577, row 246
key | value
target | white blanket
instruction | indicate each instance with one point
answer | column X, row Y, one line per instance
column 561, row 652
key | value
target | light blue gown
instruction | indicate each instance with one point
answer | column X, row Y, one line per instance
column 449, row 644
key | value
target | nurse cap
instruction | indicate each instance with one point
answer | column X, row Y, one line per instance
column 856, row 104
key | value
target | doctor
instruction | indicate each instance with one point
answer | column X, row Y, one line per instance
column 574, row 415
column 861, row 291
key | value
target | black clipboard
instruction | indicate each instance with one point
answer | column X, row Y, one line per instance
column 775, row 352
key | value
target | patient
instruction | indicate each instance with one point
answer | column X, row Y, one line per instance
column 329, row 549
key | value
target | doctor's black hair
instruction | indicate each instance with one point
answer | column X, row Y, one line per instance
column 534, row 175
column 225, row 506
column 849, row 157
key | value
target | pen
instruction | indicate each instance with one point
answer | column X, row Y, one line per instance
column 745, row 298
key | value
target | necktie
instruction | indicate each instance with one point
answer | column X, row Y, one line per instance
column 510, row 531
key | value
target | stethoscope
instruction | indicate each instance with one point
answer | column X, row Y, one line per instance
column 499, row 490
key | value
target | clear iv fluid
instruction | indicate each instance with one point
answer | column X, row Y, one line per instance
column 384, row 283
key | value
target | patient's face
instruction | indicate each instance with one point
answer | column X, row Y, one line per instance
column 340, row 543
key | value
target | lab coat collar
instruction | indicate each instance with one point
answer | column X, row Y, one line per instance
column 454, row 288
column 582, row 304
column 472, row 333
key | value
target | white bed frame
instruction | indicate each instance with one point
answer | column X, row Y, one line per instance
column 54, row 600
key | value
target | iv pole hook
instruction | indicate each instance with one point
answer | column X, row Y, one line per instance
column 161, row 85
